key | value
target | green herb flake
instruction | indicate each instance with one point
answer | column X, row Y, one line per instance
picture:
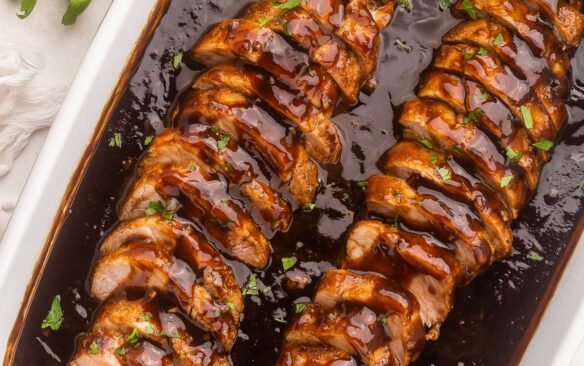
column 264, row 21
column 26, row 7
column 434, row 159
column 116, row 140
column 473, row 116
column 362, row 183
column 445, row 5
column 483, row 51
column 444, row 174
column 148, row 140
column 298, row 308
column 470, row 10
column 54, row 318
column 251, row 288
column 457, row 150
column 120, row 351
column 177, row 60
column 506, row 180
column 534, row 256
column 527, row 119
column 469, row 55
column 149, row 330
column 382, row 319
column 94, row 348
column 544, row 145
column 402, row 46
column 134, row 337
column 288, row 5
column 427, row 143
column 309, row 206
column 146, row 316
column 75, row 8
column 513, row 155
column 396, row 193
column 223, row 141
column 153, row 208
column 498, row 40
column 230, row 305
column 484, row 96
column 405, row 4
column 288, row 262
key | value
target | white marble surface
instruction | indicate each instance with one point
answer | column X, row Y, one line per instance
column 62, row 48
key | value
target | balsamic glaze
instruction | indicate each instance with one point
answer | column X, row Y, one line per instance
column 490, row 316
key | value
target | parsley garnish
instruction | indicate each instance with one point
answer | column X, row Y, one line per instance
column 527, row 119
column 252, row 286
column 444, row 5
column 146, row 316
column 473, row 116
column 444, row 174
column 434, row 159
column 298, row 308
column 513, row 155
column 470, row 10
column 177, row 60
column 457, row 150
column 427, row 143
column 284, row 7
column 405, row 4
column 154, row 207
column 116, row 140
column 382, row 319
column 498, row 40
column 309, row 206
column 544, row 145
column 534, row 256
column 94, row 348
column 120, row 351
column 396, row 193
column 506, row 180
column 148, row 140
column 362, row 183
column 54, row 318
column 149, row 330
column 402, row 46
column 222, row 142
column 134, row 337
column 167, row 213
column 288, row 262
column 469, row 55
column 483, row 51
column 230, row 305
column 265, row 20
column 288, row 5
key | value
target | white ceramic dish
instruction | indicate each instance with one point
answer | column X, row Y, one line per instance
column 556, row 342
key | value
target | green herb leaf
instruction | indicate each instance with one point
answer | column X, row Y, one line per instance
column 470, row 10
column 251, row 288
column 469, row 55
column 362, row 183
column 288, row 5
column 444, row 5
column 94, row 348
column 527, row 119
column 483, row 51
column 498, row 40
column 427, row 143
column 309, row 206
column 506, row 180
column 544, row 145
column 149, row 330
column 134, row 337
column 434, row 159
column 484, row 96
column 513, row 155
column 116, row 140
column 264, row 21
column 473, row 116
column 148, row 140
column 405, row 4
column 154, row 207
column 444, row 174
column 298, row 308
column 396, row 193
column 120, row 351
column 288, row 262
column 382, row 319
column 457, row 150
column 54, row 318
column 223, row 141
column 26, row 7
column 535, row 256
column 177, row 60
column 146, row 316
column 230, row 305
column 76, row 7
column 402, row 46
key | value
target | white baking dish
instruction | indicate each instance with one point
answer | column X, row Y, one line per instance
column 556, row 342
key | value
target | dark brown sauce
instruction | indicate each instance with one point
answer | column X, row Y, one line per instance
column 495, row 312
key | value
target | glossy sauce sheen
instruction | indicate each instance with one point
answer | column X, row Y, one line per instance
column 492, row 313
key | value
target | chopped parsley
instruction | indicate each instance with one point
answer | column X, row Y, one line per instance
column 288, row 5
column 146, row 316
column 527, row 119
column 434, row 159
column 94, row 348
column 362, row 183
column 506, row 180
column 251, row 288
column 298, row 308
column 177, row 60
column 544, row 145
column 230, row 305
column 396, row 193
column 134, row 337
column 535, row 256
column 54, row 318
column 402, row 46
column 498, row 40
column 483, row 51
column 469, row 55
column 309, row 206
column 382, row 319
column 264, row 21
column 444, row 5
column 167, row 212
column 512, row 154
column 405, row 4
column 427, row 143
column 457, row 150
column 288, row 262
column 116, row 140
column 473, row 116
column 484, row 96
column 223, row 141
column 149, row 330
column 223, row 224
column 284, row 7
column 120, row 351
column 470, row 10
column 148, row 140
column 444, row 174
column 154, row 207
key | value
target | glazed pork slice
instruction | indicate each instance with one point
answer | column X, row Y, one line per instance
column 426, row 209
column 206, row 201
column 305, row 31
column 382, row 296
column 352, row 329
column 312, row 355
column 255, row 130
column 438, row 126
column 567, row 20
column 550, row 90
column 180, row 238
column 483, row 109
column 407, row 160
column 144, row 265
column 321, row 137
column 521, row 20
column 233, row 39
column 375, row 247
column 201, row 145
